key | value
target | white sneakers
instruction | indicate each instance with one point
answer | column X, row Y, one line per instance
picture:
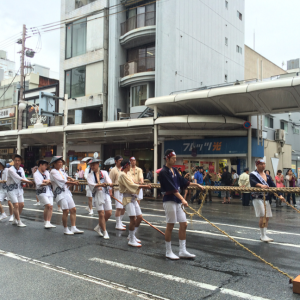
column 20, row 224
column 48, row 225
column 182, row 251
column 105, row 235
column 11, row 218
column 132, row 240
column 91, row 212
column 59, row 209
column 263, row 235
column 75, row 230
column 37, row 204
column 98, row 230
column 3, row 216
column 67, row 231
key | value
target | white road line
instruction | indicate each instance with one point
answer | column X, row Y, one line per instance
column 178, row 279
column 188, row 230
column 203, row 222
column 85, row 277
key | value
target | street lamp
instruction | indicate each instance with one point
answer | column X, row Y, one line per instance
column 22, row 107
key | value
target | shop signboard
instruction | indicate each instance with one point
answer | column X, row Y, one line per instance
column 32, row 116
column 215, row 146
column 7, row 113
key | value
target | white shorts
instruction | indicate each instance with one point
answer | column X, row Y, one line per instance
column 133, row 209
column 15, row 199
column 106, row 206
column 140, row 195
column 118, row 196
column 66, row 203
column 89, row 193
column 45, row 200
column 260, row 209
column 174, row 212
column 3, row 196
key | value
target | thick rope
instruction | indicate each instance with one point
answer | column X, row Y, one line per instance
column 238, row 243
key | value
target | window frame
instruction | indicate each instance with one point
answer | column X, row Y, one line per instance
column 239, row 49
column 71, row 75
column 270, row 119
column 285, row 126
column 131, row 92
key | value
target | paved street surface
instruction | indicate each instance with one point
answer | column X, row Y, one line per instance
column 45, row 264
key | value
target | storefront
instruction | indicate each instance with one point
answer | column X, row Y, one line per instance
column 34, row 153
column 214, row 153
column 8, row 118
column 6, row 153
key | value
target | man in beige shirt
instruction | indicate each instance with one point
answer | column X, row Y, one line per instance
column 129, row 190
column 244, row 181
column 137, row 176
column 120, row 210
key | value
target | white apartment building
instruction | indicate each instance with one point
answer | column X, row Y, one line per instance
column 116, row 54
column 7, row 67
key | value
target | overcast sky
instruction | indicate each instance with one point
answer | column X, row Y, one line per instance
column 274, row 21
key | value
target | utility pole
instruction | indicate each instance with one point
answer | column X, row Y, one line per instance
column 22, row 87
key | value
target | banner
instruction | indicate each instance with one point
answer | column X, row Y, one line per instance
column 7, row 112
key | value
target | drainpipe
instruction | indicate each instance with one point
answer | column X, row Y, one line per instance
column 249, row 157
column 155, row 151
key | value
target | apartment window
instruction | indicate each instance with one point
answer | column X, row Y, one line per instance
column 139, row 95
column 226, row 41
column 284, row 126
column 226, row 4
column 296, row 130
column 76, row 38
column 239, row 49
column 75, row 82
column 239, row 15
column 269, row 122
column 80, row 3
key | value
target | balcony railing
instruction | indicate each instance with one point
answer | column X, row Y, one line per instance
column 140, row 20
column 144, row 64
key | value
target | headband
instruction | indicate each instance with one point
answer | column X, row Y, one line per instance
column 127, row 164
column 132, row 158
column 170, row 155
column 260, row 161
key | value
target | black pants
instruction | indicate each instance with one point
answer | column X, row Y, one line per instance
column 288, row 198
column 195, row 196
column 246, row 199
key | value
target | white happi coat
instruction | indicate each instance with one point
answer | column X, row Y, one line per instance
column 58, row 180
column 100, row 194
column 13, row 182
column 38, row 179
column 3, row 186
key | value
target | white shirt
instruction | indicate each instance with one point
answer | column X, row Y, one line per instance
column 86, row 173
column 3, row 177
column 58, row 179
column 38, row 179
column 235, row 176
column 14, row 183
column 99, row 193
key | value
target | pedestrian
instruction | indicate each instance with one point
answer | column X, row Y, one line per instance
column 207, row 180
column 15, row 179
column 279, row 179
column 44, row 192
column 3, row 190
column 80, row 177
column 290, row 182
column 114, row 176
column 33, row 170
column 89, row 195
column 244, row 182
column 100, row 186
column 226, row 180
column 62, row 195
column 260, row 179
column 171, row 183
column 235, row 180
column 129, row 191
column 198, row 178
column 76, row 178
column 136, row 174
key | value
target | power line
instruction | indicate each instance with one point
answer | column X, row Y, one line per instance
column 13, row 36
column 10, row 84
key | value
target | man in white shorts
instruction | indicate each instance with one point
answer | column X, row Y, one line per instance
column 171, row 183
column 62, row 195
column 129, row 189
column 43, row 191
column 98, row 181
column 120, row 210
column 87, row 189
column 15, row 178
column 3, row 190
column 258, row 178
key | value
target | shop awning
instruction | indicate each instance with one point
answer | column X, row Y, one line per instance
column 244, row 99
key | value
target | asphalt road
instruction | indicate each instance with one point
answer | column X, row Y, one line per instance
column 45, row 264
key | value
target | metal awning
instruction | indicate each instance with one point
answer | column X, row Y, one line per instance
column 266, row 97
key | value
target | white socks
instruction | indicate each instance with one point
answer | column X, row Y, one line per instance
column 263, row 235
column 132, row 240
column 169, row 252
column 182, row 250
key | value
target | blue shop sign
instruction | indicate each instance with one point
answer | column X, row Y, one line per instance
column 215, row 146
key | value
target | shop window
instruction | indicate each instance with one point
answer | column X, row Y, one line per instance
column 76, row 38
column 284, row 126
column 269, row 122
column 75, row 82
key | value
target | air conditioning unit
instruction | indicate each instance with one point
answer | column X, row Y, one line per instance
column 280, row 135
column 130, row 68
